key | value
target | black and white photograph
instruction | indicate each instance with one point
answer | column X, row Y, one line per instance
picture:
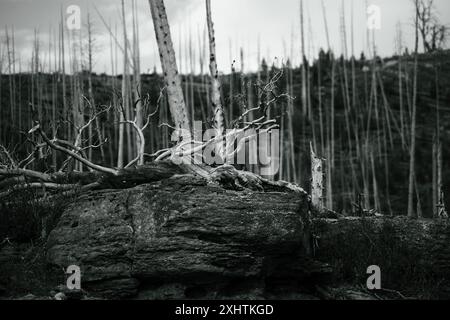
column 223, row 155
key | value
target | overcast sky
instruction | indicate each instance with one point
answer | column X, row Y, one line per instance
column 238, row 24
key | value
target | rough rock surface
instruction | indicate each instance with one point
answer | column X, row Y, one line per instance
column 182, row 237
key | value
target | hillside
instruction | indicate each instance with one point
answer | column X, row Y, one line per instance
column 378, row 168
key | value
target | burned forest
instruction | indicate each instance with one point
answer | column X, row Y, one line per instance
column 154, row 150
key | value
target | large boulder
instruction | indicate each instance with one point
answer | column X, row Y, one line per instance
column 185, row 237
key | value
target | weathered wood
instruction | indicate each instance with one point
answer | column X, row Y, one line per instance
column 124, row 178
column 219, row 118
column 316, row 180
column 169, row 65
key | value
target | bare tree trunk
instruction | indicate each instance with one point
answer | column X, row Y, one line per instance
column 123, row 112
column 10, row 76
column 290, row 113
column 437, row 157
column 186, row 72
column 355, row 104
column 137, row 82
column 203, row 55
column 439, row 179
column 316, row 180
column 54, row 98
column 435, row 188
column 169, row 65
column 258, row 73
column 18, row 110
column 112, row 121
column 319, row 96
column 400, row 84
column 330, row 119
column 325, row 21
column 191, row 77
column 219, row 121
column 128, row 92
column 77, row 96
column 346, row 99
column 412, row 154
column 242, row 80
column 352, row 31
column 376, row 196
column 91, row 93
column 2, row 137
column 302, row 34
column 203, row 84
column 63, row 65
column 331, row 160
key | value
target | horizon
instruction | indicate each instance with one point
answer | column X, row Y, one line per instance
column 277, row 41
column 229, row 73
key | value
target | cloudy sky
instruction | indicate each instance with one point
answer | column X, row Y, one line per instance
column 275, row 25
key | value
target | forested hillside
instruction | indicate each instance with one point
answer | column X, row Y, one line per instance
column 357, row 115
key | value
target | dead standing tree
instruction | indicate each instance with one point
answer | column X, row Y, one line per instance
column 120, row 155
column 185, row 150
column 304, row 66
column 316, row 180
column 433, row 33
column 219, row 120
column 167, row 56
column 412, row 151
column 91, row 43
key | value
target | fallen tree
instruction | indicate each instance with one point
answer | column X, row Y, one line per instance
column 15, row 174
